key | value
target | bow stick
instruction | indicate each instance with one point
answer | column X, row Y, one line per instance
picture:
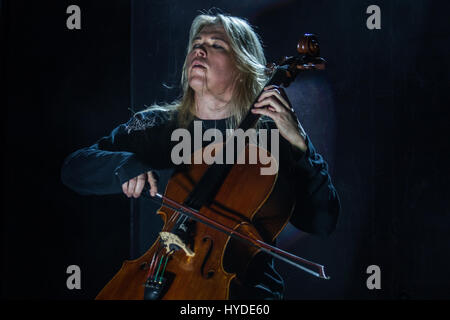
column 271, row 250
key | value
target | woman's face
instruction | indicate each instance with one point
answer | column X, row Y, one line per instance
column 211, row 70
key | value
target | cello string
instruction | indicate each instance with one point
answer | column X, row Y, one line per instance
column 150, row 266
column 185, row 218
column 180, row 221
column 159, row 266
column 153, row 268
column 155, row 262
column 165, row 264
column 174, row 216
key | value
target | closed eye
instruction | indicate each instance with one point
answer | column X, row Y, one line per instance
column 215, row 46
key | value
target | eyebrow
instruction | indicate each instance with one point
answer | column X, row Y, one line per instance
column 216, row 36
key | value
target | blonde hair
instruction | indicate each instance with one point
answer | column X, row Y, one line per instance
column 248, row 55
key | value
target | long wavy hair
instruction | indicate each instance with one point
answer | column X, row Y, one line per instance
column 248, row 56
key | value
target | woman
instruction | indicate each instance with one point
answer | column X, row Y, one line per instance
column 223, row 73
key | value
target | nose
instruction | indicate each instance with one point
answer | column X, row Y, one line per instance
column 200, row 51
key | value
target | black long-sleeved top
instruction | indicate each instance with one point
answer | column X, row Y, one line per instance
column 143, row 144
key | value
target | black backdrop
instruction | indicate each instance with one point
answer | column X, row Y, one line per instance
column 377, row 114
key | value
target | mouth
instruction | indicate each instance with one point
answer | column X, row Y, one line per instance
column 197, row 64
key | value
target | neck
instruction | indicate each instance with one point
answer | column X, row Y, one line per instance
column 212, row 108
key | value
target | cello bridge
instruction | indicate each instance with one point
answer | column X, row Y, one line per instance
column 171, row 241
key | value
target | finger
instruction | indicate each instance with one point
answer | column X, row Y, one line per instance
column 277, row 95
column 131, row 186
column 271, row 103
column 272, row 86
column 282, row 92
column 125, row 188
column 139, row 185
column 266, row 112
column 153, row 184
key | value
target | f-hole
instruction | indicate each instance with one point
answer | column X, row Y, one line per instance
column 209, row 273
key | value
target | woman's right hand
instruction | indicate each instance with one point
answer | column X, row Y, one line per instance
column 133, row 187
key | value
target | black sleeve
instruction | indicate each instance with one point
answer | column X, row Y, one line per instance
column 103, row 167
column 317, row 206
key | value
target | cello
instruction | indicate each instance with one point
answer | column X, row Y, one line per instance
column 218, row 217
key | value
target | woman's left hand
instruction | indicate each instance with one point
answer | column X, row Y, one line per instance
column 274, row 103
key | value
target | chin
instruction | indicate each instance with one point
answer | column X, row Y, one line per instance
column 197, row 84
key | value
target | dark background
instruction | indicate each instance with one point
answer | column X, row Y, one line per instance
column 378, row 115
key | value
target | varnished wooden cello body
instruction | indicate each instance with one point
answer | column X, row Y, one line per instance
column 216, row 219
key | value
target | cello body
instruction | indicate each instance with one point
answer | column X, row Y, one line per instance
column 253, row 204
